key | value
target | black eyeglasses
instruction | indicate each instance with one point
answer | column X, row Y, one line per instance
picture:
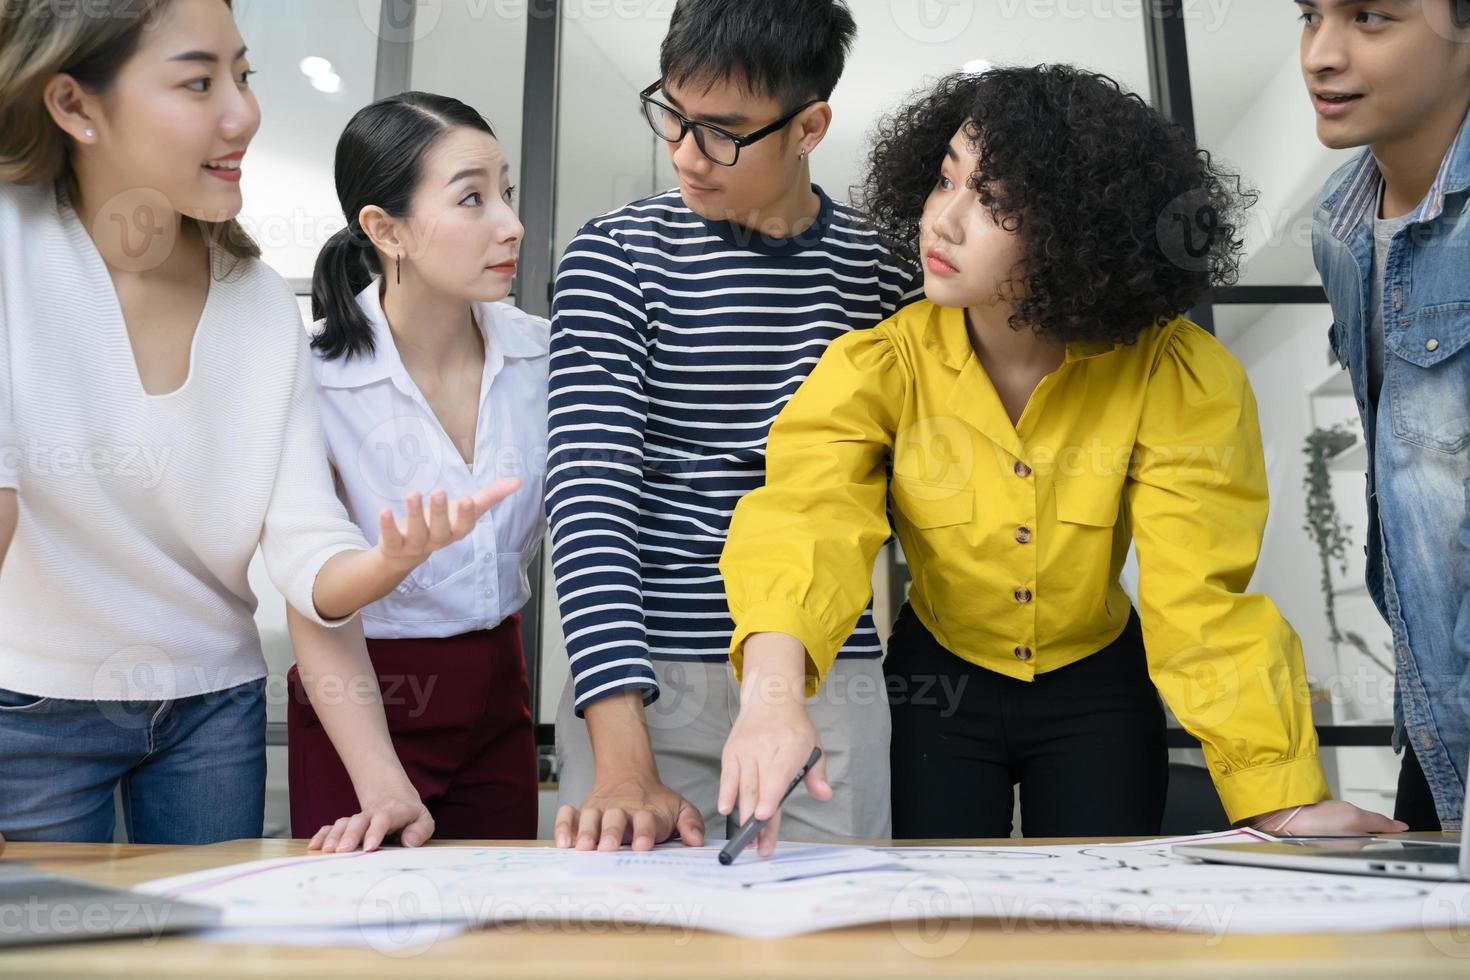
column 720, row 145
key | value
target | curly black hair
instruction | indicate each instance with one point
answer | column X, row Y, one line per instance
column 1125, row 223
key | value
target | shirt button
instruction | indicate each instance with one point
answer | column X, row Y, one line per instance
column 1433, row 345
column 1022, row 470
column 487, row 559
column 489, row 593
column 1023, row 653
column 1023, row 535
column 1023, row 596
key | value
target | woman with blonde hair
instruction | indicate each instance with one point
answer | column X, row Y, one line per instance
column 157, row 425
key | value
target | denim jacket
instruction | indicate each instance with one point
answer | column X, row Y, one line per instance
column 1418, row 439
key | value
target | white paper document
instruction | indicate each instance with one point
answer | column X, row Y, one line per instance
column 418, row 895
column 791, row 862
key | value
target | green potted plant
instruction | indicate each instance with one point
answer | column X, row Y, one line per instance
column 1329, row 533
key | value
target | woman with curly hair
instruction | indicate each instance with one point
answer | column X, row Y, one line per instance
column 1047, row 406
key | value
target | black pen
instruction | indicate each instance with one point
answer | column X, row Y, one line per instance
column 753, row 826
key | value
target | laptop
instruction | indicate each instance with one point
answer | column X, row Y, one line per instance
column 40, row 907
column 1388, row 856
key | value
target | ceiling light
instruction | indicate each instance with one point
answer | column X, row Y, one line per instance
column 315, row 67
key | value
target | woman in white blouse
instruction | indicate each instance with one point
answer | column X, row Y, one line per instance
column 158, row 423
column 425, row 379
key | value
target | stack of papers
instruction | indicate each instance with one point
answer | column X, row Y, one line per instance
column 396, row 898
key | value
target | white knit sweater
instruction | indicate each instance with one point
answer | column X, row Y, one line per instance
column 139, row 514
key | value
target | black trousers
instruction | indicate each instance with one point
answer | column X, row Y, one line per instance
column 1085, row 742
column 1414, row 804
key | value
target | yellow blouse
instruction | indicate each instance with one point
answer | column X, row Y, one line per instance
column 1016, row 534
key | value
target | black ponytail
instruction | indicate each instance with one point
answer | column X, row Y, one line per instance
column 379, row 162
column 344, row 268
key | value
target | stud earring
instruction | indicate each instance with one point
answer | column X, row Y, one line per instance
column 90, row 134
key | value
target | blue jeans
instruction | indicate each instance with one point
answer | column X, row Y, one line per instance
column 192, row 770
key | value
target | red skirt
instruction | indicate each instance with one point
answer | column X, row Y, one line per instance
column 459, row 713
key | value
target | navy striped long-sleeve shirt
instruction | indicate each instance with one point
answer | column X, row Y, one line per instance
column 676, row 341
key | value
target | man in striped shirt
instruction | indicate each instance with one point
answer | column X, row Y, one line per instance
column 682, row 325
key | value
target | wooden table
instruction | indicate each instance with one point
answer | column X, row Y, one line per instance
column 906, row 951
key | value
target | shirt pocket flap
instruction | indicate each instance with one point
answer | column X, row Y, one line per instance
column 1433, row 335
column 1090, row 501
column 927, row 505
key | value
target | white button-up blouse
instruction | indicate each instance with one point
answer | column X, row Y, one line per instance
column 385, row 442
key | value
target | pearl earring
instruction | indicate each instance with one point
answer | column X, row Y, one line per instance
column 90, row 134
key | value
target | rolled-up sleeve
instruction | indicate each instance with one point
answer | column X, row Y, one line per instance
column 1226, row 661
column 800, row 553
column 305, row 522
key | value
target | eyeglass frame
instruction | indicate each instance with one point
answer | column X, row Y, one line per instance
column 686, row 124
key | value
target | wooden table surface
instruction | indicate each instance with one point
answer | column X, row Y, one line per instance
column 908, row 951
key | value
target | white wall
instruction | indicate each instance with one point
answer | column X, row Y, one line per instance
column 1285, row 351
column 476, row 52
column 606, row 154
column 290, row 199
column 1276, row 147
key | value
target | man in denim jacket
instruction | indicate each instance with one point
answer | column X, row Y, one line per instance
column 1391, row 239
